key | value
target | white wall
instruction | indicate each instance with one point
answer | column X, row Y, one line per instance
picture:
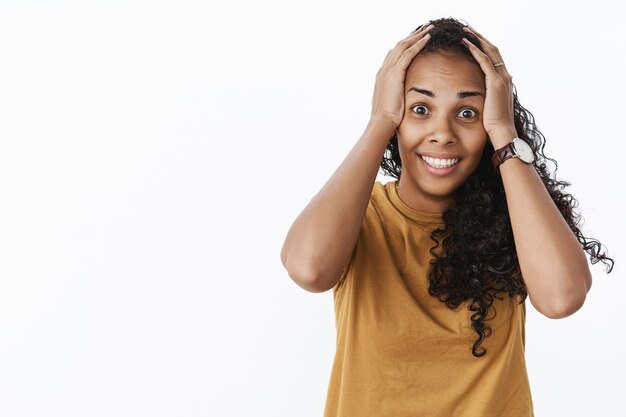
column 153, row 155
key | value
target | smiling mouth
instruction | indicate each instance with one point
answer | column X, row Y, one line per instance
column 439, row 163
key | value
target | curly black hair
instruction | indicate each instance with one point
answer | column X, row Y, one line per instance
column 479, row 260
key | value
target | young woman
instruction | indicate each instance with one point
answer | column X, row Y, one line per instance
column 429, row 270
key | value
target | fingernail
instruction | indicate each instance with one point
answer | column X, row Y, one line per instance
column 426, row 29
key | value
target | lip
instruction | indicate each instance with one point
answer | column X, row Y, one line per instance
column 439, row 171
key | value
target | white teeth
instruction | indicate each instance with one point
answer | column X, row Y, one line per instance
column 439, row 163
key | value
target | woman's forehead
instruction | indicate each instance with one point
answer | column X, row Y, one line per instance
column 445, row 70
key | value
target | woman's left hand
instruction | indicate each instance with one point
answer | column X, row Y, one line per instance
column 498, row 110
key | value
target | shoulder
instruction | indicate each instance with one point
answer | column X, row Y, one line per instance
column 379, row 190
column 370, row 231
column 379, row 202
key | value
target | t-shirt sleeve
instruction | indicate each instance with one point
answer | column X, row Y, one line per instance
column 346, row 269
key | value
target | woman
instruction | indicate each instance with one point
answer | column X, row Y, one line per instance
column 428, row 269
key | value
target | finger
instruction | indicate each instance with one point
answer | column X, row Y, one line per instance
column 478, row 35
column 485, row 43
column 483, row 60
column 394, row 55
column 501, row 82
column 422, row 26
column 415, row 35
column 417, row 28
column 410, row 53
column 491, row 50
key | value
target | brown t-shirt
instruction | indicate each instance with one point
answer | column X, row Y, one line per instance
column 403, row 353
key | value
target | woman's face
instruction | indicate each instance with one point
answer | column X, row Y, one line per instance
column 441, row 137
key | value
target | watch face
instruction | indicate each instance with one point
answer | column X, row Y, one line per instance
column 523, row 150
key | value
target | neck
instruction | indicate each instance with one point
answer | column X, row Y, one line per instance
column 426, row 205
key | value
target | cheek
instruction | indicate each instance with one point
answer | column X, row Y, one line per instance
column 475, row 149
column 410, row 134
column 403, row 131
column 477, row 144
column 406, row 140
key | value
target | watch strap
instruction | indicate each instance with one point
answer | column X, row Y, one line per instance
column 502, row 154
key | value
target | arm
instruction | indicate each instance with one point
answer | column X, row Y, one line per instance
column 551, row 259
column 322, row 238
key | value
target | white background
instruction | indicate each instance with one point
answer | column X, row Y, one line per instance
column 153, row 155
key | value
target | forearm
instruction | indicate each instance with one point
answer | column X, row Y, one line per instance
column 323, row 236
column 552, row 261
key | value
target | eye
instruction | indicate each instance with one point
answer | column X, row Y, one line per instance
column 468, row 113
column 420, row 109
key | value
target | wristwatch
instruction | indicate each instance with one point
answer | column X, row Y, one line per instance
column 517, row 148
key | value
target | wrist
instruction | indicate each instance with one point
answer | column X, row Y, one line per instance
column 500, row 138
column 382, row 124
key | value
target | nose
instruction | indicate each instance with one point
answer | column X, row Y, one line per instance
column 442, row 132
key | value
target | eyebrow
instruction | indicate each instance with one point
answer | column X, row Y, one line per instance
column 460, row 94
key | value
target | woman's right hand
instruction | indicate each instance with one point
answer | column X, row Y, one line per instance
column 388, row 100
